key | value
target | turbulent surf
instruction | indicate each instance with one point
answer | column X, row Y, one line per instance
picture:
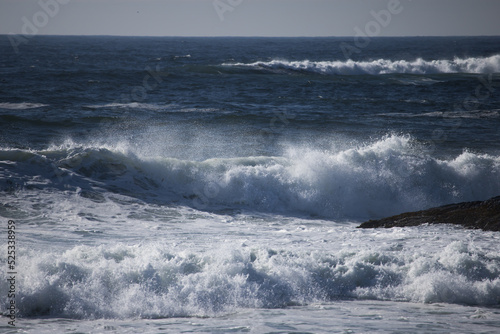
column 215, row 184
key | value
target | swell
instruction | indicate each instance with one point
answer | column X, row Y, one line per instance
column 377, row 179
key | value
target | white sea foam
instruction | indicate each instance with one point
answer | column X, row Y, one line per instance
column 383, row 66
column 153, row 242
column 159, row 279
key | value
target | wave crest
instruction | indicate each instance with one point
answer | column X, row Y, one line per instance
column 388, row 176
column 477, row 65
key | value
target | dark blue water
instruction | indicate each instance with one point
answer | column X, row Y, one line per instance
column 394, row 85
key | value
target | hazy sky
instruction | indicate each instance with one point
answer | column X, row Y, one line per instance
column 251, row 17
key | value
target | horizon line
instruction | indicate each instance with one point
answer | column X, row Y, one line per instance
column 238, row 36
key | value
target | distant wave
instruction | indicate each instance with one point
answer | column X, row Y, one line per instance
column 149, row 106
column 389, row 176
column 185, row 56
column 129, row 105
column 382, row 66
column 21, row 106
column 473, row 114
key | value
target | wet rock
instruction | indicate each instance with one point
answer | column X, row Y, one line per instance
column 483, row 215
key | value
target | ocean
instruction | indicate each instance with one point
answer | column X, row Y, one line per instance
column 214, row 185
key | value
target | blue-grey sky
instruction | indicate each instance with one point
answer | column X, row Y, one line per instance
column 250, row 17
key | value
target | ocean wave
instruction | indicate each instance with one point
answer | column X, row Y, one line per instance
column 130, row 105
column 154, row 280
column 184, row 56
column 472, row 114
column 377, row 179
column 477, row 65
column 21, row 106
column 173, row 108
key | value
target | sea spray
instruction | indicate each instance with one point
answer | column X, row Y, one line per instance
column 387, row 176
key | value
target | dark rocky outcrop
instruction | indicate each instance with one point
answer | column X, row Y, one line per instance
column 473, row 215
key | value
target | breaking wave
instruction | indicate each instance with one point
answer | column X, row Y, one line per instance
column 384, row 177
column 475, row 65
column 155, row 281
column 161, row 278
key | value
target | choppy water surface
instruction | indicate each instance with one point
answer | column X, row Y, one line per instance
column 215, row 184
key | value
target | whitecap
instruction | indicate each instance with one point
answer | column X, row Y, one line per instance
column 21, row 106
column 477, row 65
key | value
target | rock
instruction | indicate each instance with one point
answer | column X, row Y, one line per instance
column 473, row 215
